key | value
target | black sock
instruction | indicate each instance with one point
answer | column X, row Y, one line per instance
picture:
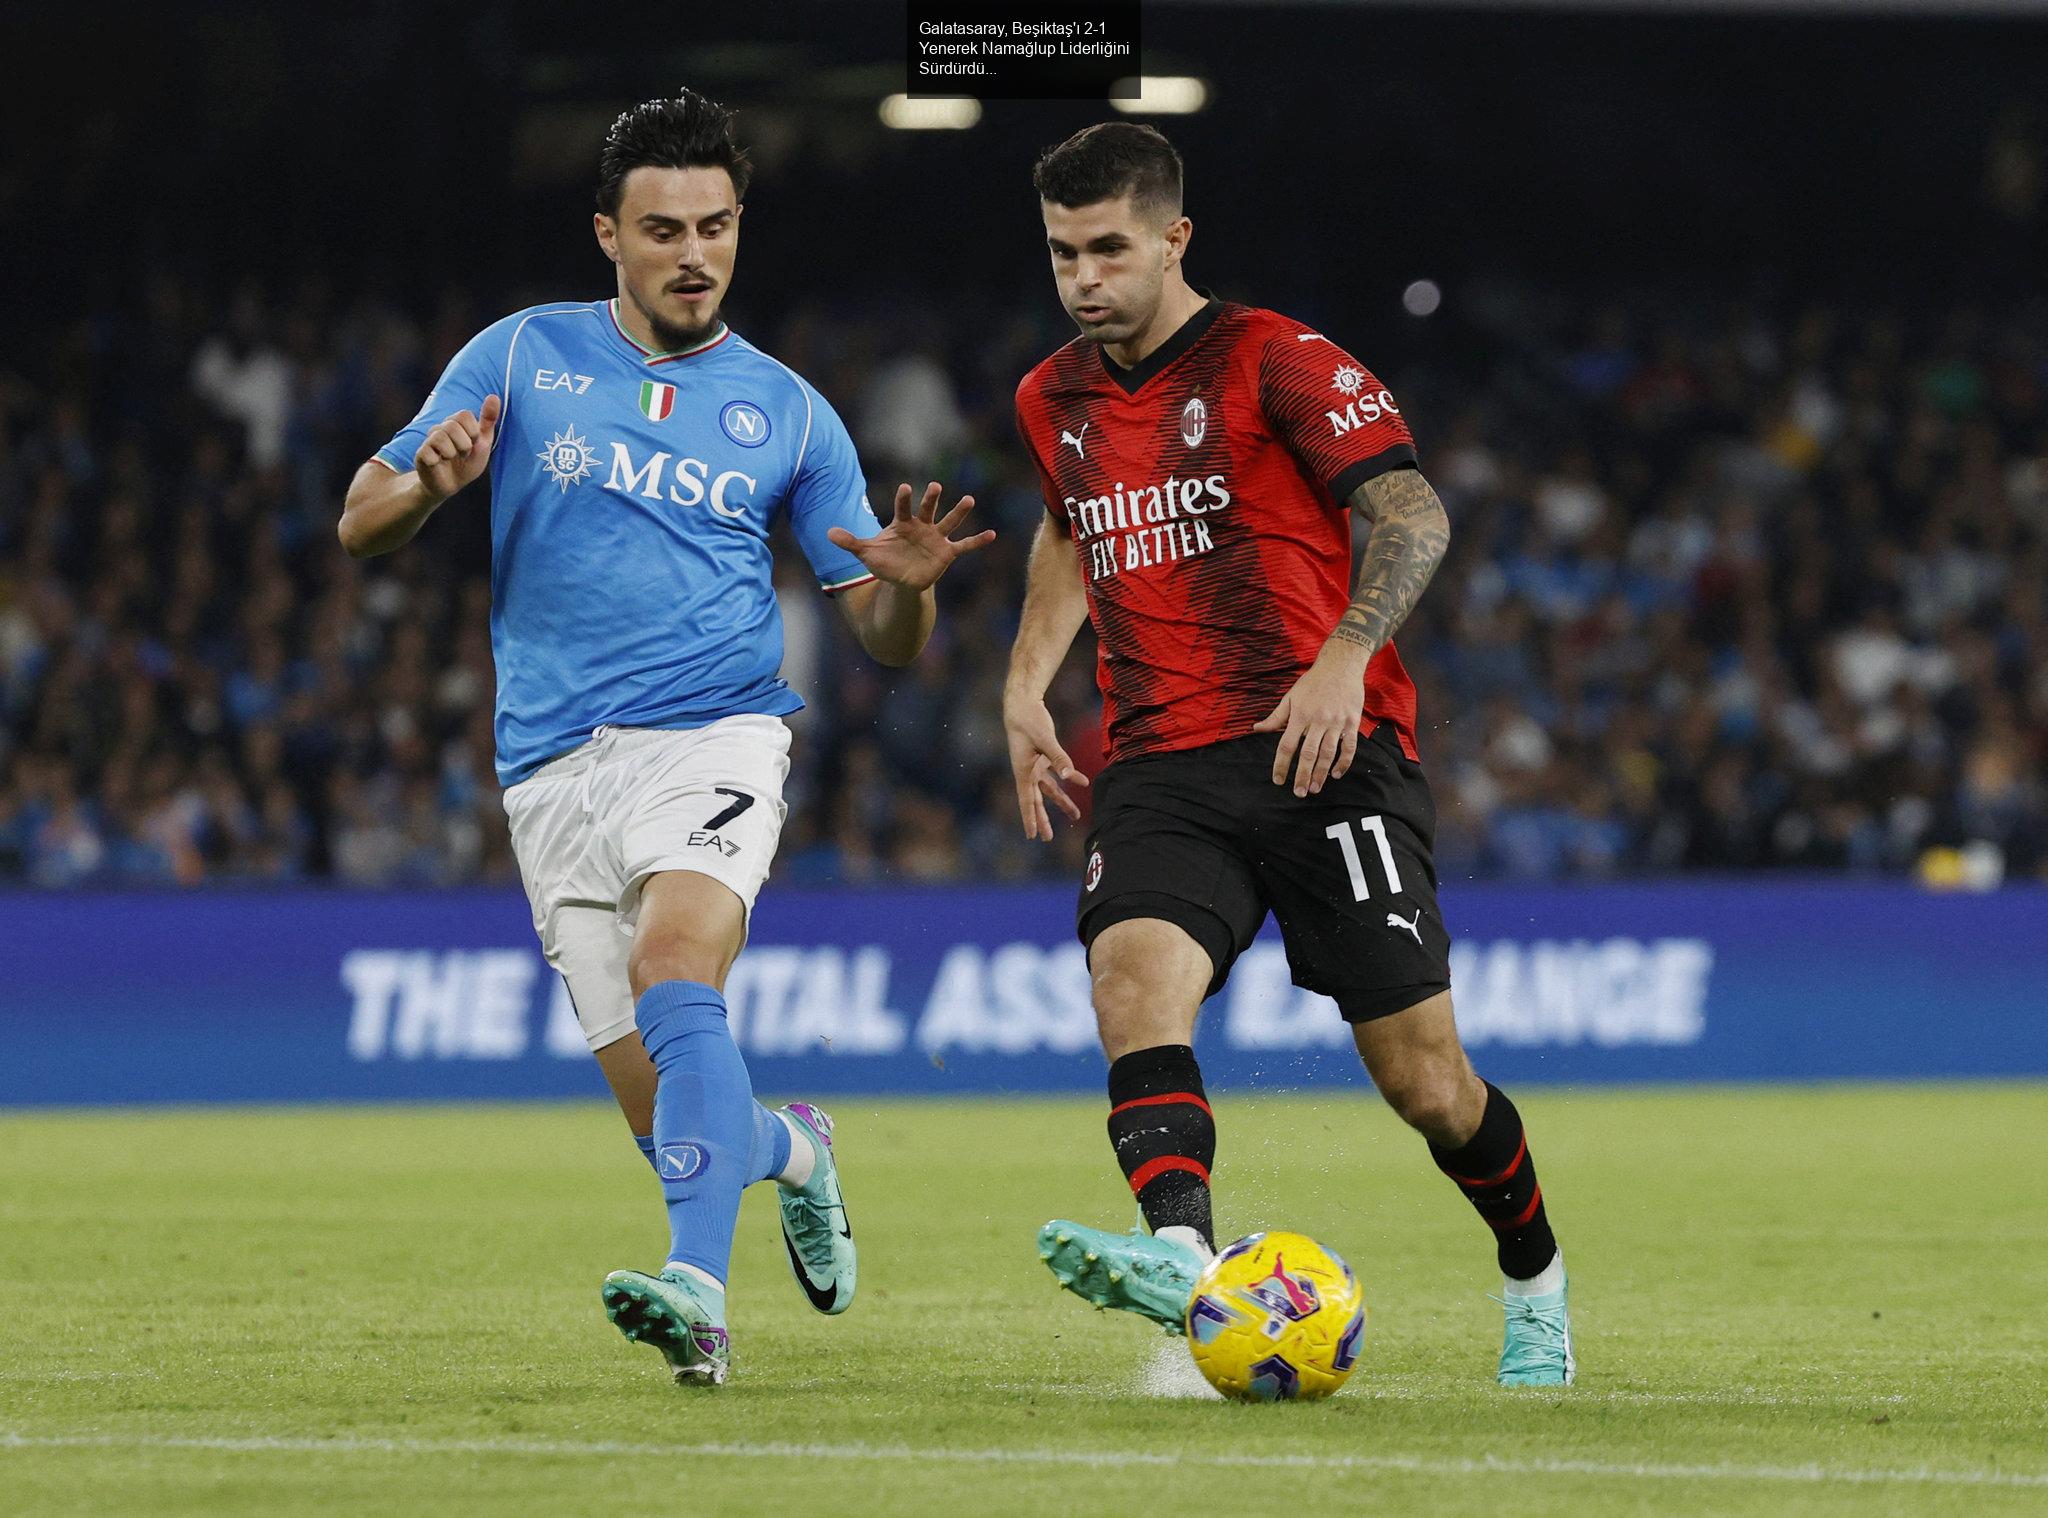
column 1165, row 1136
column 1498, row 1176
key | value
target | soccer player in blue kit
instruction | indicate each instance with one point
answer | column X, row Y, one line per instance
column 639, row 453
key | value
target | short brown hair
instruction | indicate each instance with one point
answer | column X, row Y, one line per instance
column 1110, row 159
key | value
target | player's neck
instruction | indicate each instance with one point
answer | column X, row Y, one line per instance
column 634, row 323
column 1177, row 307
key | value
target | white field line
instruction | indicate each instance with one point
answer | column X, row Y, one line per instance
column 1418, row 1465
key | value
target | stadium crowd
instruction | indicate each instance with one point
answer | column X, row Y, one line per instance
column 1732, row 586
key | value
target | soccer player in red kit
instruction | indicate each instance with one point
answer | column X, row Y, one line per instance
column 1233, row 501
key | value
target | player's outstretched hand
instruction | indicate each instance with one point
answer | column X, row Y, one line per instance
column 458, row 450
column 1039, row 765
column 1318, row 719
column 917, row 545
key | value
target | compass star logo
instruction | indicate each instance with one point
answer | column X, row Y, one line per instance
column 1349, row 378
column 567, row 458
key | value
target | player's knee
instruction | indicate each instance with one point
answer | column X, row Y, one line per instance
column 1133, row 1011
column 1431, row 1098
column 1120, row 991
column 657, row 957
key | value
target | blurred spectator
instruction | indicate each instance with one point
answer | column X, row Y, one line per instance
column 1731, row 587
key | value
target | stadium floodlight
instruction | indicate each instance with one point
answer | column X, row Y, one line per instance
column 1160, row 95
column 1422, row 297
column 946, row 113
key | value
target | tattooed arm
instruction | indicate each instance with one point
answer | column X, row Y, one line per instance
column 1399, row 532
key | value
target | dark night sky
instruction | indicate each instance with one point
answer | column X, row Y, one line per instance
column 401, row 145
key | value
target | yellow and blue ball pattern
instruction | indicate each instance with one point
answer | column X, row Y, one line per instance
column 1276, row 1318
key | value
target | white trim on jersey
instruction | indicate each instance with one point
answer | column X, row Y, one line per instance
column 810, row 407
column 512, row 348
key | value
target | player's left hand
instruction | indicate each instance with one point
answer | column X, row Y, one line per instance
column 917, row 545
column 1318, row 719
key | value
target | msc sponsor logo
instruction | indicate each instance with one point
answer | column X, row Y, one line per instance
column 567, row 459
column 1362, row 412
column 689, row 482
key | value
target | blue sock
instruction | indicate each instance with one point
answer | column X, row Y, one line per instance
column 646, row 1143
column 711, row 1138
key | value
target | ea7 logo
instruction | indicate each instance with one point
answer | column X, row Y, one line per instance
column 550, row 379
column 1362, row 412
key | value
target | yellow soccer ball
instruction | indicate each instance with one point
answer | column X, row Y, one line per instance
column 1276, row 1318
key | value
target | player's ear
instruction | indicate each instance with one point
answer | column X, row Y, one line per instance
column 607, row 234
column 1179, row 232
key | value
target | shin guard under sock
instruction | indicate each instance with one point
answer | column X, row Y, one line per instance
column 1165, row 1136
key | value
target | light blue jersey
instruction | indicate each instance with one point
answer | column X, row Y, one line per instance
column 631, row 498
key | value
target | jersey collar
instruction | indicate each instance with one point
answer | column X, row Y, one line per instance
column 648, row 355
column 1184, row 337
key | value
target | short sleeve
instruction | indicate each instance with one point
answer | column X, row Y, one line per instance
column 1055, row 506
column 474, row 373
column 827, row 491
column 1330, row 411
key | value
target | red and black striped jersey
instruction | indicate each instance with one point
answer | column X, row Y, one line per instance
column 1205, row 492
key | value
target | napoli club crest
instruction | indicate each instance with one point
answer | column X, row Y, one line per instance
column 744, row 423
column 1194, row 422
column 1094, row 870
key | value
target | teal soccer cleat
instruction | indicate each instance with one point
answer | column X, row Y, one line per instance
column 678, row 1315
column 814, row 1226
column 1537, row 1349
column 1132, row 1272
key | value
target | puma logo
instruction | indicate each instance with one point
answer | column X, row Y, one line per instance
column 1075, row 439
column 1396, row 920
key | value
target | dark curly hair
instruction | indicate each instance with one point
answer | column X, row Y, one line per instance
column 1110, row 159
column 686, row 132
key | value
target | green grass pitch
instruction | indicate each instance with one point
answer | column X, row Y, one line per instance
column 1829, row 1300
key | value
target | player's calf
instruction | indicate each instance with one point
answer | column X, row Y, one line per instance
column 1164, row 1134
column 1497, row 1174
column 1477, row 1139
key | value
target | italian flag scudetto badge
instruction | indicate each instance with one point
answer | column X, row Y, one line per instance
column 656, row 400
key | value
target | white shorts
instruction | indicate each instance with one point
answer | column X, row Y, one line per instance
column 590, row 827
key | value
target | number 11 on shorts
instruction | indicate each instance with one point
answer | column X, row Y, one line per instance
column 1376, row 826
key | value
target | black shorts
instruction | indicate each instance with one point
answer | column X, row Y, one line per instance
column 1204, row 839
